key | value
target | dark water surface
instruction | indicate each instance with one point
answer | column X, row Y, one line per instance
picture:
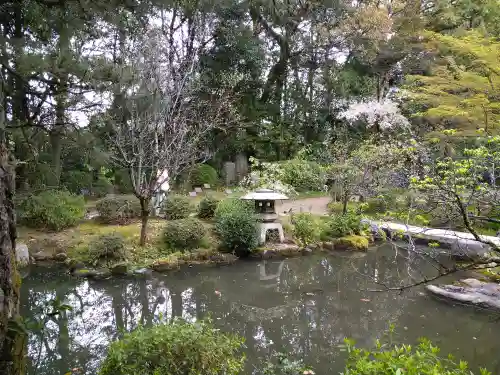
column 303, row 306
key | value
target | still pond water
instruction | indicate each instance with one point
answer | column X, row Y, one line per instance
column 303, row 306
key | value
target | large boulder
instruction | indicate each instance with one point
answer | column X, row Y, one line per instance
column 376, row 231
column 41, row 256
column 61, row 257
column 470, row 291
column 22, row 255
column 146, row 272
column 119, row 269
column 163, row 265
column 92, row 273
column 223, row 258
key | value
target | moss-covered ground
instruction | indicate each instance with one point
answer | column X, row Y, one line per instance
column 75, row 241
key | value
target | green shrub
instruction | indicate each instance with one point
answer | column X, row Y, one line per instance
column 178, row 348
column 118, row 209
column 281, row 364
column 107, row 248
column 422, row 359
column 53, row 210
column 176, row 207
column 376, row 205
column 306, row 228
column 207, row 207
column 236, row 225
column 184, row 234
column 303, row 175
column 411, row 216
column 343, row 225
column 203, row 174
column 390, row 200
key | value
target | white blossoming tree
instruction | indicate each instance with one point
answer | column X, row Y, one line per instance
column 380, row 115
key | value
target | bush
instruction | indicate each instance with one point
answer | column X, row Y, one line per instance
column 176, row 207
column 281, row 364
column 107, row 248
column 303, row 175
column 184, row 233
column 179, row 348
column 236, row 225
column 207, row 207
column 54, row 210
column 393, row 199
column 378, row 205
column 422, row 359
column 306, row 228
column 343, row 225
column 203, row 174
column 118, row 209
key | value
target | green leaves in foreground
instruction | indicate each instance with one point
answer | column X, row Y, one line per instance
column 422, row 359
column 179, row 348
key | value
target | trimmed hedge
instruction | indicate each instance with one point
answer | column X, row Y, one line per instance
column 207, row 207
column 184, row 234
column 107, row 248
column 236, row 225
column 177, row 207
column 118, row 209
column 52, row 209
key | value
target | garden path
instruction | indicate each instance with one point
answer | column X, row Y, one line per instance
column 316, row 205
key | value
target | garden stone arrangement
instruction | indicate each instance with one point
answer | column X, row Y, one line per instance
column 470, row 291
column 208, row 230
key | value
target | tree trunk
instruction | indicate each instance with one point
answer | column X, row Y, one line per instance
column 55, row 143
column 10, row 362
column 144, row 220
column 345, row 202
column 61, row 96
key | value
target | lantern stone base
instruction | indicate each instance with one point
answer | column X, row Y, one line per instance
column 264, row 227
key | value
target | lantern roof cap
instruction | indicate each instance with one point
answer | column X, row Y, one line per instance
column 264, row 195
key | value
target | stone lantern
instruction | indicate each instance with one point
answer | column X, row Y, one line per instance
column 265, row 207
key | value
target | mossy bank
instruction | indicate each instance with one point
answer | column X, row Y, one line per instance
column 73, row 247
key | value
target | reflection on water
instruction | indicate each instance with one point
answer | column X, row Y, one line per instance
column 303, row 306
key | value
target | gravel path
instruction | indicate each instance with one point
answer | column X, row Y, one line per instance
column 316, row 205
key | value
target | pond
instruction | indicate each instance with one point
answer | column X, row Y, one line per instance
column 304, row 307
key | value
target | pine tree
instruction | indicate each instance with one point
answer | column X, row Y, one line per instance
column 462, row 90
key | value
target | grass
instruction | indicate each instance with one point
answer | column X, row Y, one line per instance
column 75, row 241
